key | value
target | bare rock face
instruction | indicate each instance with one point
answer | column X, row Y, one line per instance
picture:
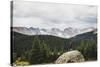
column 70, row 57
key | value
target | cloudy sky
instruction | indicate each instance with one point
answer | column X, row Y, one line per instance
column 53, row 15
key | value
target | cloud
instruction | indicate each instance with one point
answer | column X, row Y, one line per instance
column 48, row 15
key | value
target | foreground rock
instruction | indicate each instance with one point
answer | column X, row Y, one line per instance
column 70, row 57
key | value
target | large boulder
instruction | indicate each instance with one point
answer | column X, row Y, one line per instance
column 70, row 57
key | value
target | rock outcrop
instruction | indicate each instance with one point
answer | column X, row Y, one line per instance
column 70, row 57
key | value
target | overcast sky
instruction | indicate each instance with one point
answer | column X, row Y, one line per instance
column 53, row 15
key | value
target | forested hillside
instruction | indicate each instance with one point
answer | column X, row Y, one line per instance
column 40, row 49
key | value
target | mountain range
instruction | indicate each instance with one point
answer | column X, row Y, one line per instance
column 66, row 33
